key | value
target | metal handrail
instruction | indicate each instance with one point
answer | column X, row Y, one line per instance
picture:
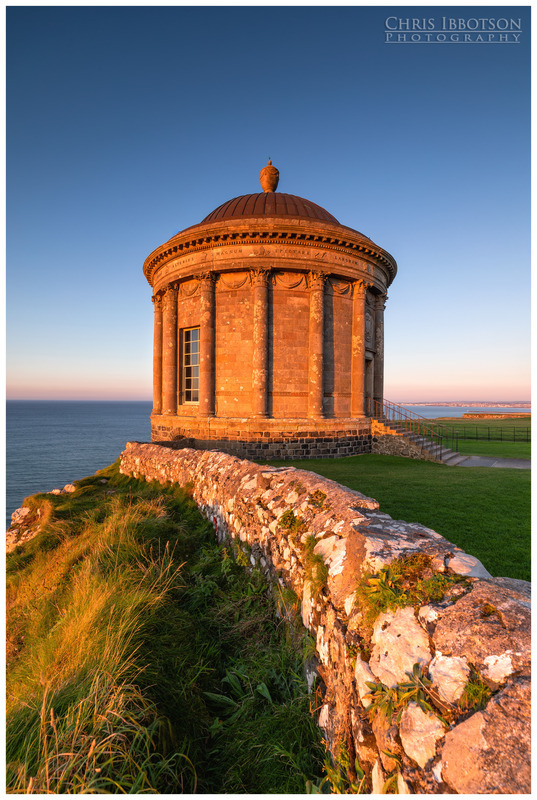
column 388, row 412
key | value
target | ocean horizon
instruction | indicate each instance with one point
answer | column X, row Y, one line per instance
column 50, row 443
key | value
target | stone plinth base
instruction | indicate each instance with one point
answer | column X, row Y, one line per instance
column 259, row 439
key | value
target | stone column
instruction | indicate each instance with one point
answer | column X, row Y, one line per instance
column 157, row 355
column 260, row 344
column 316, row 336
column 378, row 381
column 207, row 336
column 169, row 351
column 359, row 290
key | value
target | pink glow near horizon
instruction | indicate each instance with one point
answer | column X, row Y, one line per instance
column 401, row 399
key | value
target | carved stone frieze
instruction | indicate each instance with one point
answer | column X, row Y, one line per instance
column 188, row 288
column 232, row 280
column 325, row 248
column 340, row 286
column 288, row 280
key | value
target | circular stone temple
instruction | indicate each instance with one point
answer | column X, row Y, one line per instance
column 269, row 321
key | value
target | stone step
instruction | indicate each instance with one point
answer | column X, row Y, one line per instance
column 454, row 459
column 438, row 451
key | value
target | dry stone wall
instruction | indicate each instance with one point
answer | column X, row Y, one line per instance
column 431, row 696
column 386, row 441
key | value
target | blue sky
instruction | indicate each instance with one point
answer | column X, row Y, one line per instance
column 128, row 124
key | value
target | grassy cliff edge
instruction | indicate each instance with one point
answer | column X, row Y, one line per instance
column 143, row 659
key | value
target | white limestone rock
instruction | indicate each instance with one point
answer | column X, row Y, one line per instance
column 449, row 675
column 307, row 604
column 498, row 668
column 334, row 551
column 349, row 603
column 291, row 498
column 377, row 778
column 325, row 546
column 419, row 732
column 399, row 642
column 402, row 785
column 323, row 646
column 19, row 514
column 427, row 614
column 466, row 565
column 324, row 716
column 362, row 673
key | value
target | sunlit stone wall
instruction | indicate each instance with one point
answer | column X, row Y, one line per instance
column 476, row 638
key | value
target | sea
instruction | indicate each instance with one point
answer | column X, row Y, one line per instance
column 50, row 443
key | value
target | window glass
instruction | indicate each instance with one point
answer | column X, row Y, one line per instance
column 190, row 365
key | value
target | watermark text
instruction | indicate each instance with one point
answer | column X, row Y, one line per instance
column 456, row 30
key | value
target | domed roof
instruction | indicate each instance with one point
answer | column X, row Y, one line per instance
column 269, row 204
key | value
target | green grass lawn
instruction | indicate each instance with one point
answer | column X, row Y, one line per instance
column 488, row 437
column 461, row 423
column 484, row 511
column 493, row 449
column 474, row 436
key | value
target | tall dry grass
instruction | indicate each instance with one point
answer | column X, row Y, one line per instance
column 144, row 659
column 76, row 720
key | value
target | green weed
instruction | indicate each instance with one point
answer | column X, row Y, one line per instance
column 391, row 701
column 340, row 778
column 384, row 699
column 317, row 499
column 295, row 525
column 476, row 694
column 316, row 569
column 406, row 581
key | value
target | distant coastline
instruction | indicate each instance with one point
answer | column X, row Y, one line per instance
column 470, row 404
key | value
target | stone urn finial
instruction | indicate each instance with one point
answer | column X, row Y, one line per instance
column 269, row 177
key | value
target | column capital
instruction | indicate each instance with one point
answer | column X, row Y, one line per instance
column 360, row 287
column 380, row 301
column 259, row 276
column 169, row 297
column 156, row 299
column 317, row 278
column 207, row 279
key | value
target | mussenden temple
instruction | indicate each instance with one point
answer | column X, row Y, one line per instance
column 268, row 338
